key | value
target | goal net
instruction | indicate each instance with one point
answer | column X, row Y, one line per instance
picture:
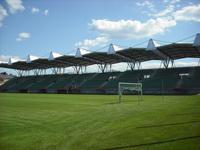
column 124, row 86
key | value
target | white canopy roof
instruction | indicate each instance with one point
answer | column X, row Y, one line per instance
column 152, row 45
column 197, row 40
column 12, row 60
column 80, row 52
column 54, row 55
column 113, row 48
column 31, row 58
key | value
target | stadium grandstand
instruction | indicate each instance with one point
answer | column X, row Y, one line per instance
column 164, row 80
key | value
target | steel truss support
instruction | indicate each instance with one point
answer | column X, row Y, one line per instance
column 105, row 67
column 23, row 72
column 138, row 65
column 167, row 62
column 131, row 65
column 39, row 71
column 102, row 67
column 80, row 69
column 59, row 70
column 134, row 65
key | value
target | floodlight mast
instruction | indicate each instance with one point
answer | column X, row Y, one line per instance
column 130, row 86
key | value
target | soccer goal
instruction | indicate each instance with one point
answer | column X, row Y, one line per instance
column 122, row 86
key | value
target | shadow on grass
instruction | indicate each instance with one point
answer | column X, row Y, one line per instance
column 169, row 124
column 182, row 114
column 123, row 101
column 153, row 143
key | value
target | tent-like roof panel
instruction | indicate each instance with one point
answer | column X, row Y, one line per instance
column 178, row 51
column 113, row 55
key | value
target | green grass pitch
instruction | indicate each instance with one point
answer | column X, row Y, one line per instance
column 73, row 122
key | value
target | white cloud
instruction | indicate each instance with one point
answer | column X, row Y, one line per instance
column 136, row 29
column 132, row 29
column 89, row 43
column 169, row 9
column 170, row 6
column 144, row 3
column 171, row 1
column 22, row 36
column 174, row 1
column 148, row 4
column 46, row 12
column 5, row 58
column 3, row 14
column 15, row 5
column 188, row 13
column 35, row 10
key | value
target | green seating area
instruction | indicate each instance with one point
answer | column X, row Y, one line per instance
column 78, row 80
column 61, row 82
column 23, row 82
column 42, row 82
column 190, row 82
column 169, row 80
column 160, row 79
column 96, row 81
column 11, row 83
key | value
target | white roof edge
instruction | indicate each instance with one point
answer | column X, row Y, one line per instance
column 31, row 58
column 197, row 40
column 13, row 60
column 54, row 55
column 113, row 48
column 3, row 62
column 80, row 52
column 72, row 53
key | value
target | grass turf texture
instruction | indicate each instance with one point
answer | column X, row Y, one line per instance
column 61, row 122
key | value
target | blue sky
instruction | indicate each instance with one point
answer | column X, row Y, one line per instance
column 40, row 26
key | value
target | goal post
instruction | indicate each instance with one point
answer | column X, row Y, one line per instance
column 130, row 87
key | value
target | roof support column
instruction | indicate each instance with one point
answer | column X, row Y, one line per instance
column 39, row 72
column 63, row 70
column 43, row 71
column 102, row 67
column 35, row 72
column 21, row 73
column 27, row 72
column 105, row 67
column 83, row 69
column 166, row 63
column 131, row 65
column 134, row 65
column 138, row 65
column 77, row 69
column 57, row 70
column 110, row 68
